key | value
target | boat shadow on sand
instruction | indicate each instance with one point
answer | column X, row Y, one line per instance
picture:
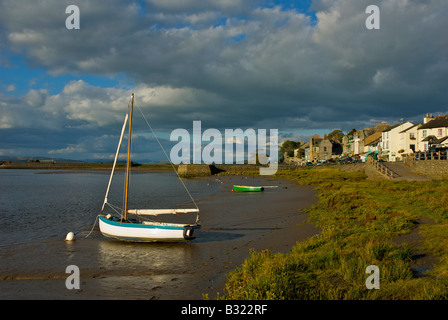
column 215, row 236
column 220, row 234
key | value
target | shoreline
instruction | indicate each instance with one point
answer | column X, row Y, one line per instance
column 233, row 224
column 364, row 222
column 222, row 169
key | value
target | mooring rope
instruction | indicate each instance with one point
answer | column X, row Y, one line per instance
column 91, row 230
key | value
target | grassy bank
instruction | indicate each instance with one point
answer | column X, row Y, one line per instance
column 361, row 221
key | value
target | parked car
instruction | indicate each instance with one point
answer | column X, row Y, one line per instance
column 345, row 159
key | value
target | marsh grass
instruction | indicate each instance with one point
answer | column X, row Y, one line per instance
column 359, row 219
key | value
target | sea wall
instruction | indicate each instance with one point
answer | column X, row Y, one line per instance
column 435, row 169
column 373, row 174
column 368, row 168
column 194, row 170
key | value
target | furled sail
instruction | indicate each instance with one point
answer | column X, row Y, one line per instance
column 154, row 212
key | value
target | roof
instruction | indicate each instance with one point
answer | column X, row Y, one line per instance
column 393, row 127
column 372, row 139
column 439, row 122
column 373, row 142
column 305, row 145
column 441, row 140
column 430, row 137
column 316, row 141
column 415, row 125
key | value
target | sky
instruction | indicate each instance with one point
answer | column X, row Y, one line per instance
column 302, row 67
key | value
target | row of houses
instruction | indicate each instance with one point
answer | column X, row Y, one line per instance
column 383, row 141
column 408, row 138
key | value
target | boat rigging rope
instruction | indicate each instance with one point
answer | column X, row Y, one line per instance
column 168, row 158
column 116, row 208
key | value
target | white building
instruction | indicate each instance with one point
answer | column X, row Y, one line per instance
column 393, row 141
column 435, row 128
column 411, row 139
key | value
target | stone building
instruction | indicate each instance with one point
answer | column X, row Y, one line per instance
column 321, row 149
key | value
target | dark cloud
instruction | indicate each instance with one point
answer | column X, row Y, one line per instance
column 229, row 63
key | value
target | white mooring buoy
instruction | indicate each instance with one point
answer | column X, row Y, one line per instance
column 70, row 236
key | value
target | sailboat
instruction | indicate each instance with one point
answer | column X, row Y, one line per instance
column 126, row 228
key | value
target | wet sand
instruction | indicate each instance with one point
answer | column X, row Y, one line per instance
column 232, row 224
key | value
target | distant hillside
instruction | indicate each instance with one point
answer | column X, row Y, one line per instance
column 62, row 160
column 41, row 159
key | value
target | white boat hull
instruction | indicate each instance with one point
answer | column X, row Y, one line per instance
column 148, row 231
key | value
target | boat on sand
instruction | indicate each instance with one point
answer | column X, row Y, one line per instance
column 133, row 224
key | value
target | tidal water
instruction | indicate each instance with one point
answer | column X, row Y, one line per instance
column 39, row 204
column 38, row 209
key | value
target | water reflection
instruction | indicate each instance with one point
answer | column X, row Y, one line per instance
column 144, row 258
column 232, row 223
column 38, row 205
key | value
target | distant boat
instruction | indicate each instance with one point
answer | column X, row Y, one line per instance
column 248, row 188
column 122, row 227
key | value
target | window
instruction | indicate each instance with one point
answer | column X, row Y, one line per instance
column 412, row 135
column 425, row 133
column 439, row 132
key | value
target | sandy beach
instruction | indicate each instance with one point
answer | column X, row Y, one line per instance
column 232, row 224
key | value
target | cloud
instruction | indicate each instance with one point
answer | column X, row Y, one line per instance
column 83, row 119
column 195, row 6
column 83, row 105
column 68, row 149
column 229, row 63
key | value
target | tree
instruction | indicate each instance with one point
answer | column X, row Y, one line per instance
column 301, row 153
column 289, row 145
column 335, row 135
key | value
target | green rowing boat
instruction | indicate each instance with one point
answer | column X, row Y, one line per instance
column 247, row 188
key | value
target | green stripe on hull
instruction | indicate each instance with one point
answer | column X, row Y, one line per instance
column 248, row 188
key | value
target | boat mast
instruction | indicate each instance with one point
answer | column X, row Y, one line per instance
column 128, row 159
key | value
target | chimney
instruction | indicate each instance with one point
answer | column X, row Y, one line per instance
column 428, row 118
